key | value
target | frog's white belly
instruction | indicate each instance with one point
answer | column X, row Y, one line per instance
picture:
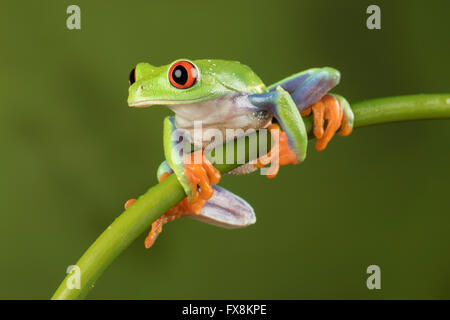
column 229, row 115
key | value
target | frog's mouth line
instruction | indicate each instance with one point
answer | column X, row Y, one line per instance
column 166, row 102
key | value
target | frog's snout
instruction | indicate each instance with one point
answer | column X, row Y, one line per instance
column 135, row 96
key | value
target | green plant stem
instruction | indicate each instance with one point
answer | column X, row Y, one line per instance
column 160, row 198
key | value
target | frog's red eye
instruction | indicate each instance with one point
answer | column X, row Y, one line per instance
column 183, row 74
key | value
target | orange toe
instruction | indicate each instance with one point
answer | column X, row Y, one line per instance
column 153, row 234
column 182, row 208
column 346, row 129
column 328, row 118
column 201, row 175
column 280, row 154
column 129, row 203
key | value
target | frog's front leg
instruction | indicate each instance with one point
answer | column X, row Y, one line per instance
column 194, row 172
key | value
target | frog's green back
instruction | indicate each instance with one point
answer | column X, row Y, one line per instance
column 232, row 74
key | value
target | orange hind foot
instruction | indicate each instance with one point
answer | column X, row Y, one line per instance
column 201, row 176
column 182, row 208
column 329, row 110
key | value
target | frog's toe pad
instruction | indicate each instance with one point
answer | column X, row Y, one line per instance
column 329, row 116
column 129, row 203
column 154, row 232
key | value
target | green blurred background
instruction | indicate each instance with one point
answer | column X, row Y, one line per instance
column 72, row 151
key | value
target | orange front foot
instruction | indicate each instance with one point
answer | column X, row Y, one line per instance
column 328, row 110
column 280, row 154
column 201, row 175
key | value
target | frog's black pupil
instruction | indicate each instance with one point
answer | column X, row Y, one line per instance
column 132, row 77
column 180, row 75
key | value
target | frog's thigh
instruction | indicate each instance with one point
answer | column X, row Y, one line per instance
column 309, row 86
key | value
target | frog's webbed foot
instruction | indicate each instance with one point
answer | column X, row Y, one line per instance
column 201, row 175
column 182, row 208
column 224, row 209
column 280, row 154
column 330, row 113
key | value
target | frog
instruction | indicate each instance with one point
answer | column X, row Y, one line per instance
column 223, row 95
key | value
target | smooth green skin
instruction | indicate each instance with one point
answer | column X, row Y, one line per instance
column 292, row 123
column 172, row 157
column 158, row 199
column 216, row 77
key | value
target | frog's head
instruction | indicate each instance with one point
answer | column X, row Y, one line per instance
column 186, row 81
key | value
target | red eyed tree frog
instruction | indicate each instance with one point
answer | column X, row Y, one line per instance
column 229, row 95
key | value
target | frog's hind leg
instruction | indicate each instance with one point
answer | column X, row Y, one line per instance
column 194, row 172
column 291, row 143
column 309, row 86
column 309, row 91
column 227, row 210
column 184, row 207
column 201, row 176
column 223, row 209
